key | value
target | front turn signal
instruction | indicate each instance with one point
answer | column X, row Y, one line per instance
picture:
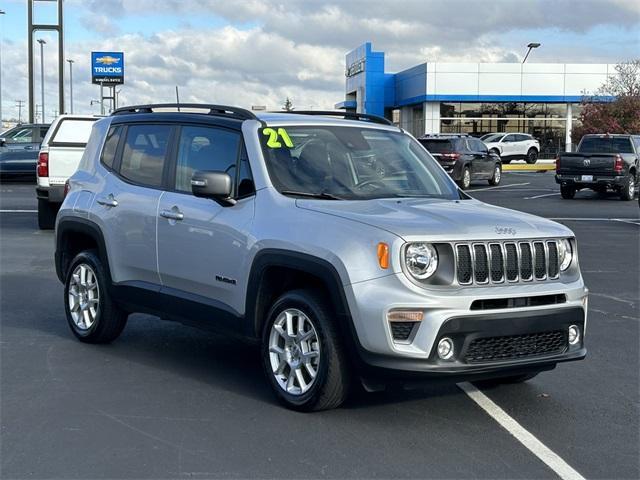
column 383, row 255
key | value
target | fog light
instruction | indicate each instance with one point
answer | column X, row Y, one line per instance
column 574, row 334
column 445, row 348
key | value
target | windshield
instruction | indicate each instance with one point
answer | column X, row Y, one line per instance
column 606, row 145
column 351, row 163
column 493, row 137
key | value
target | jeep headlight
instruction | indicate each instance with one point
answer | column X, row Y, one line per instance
column 565, row 252
column 421, row 260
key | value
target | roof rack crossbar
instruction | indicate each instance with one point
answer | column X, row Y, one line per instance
column 345, row 115
column 217, row 110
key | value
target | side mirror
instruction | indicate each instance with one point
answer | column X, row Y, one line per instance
column 3, row 142
column 214, row 185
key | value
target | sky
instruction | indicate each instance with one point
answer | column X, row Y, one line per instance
column 252, row 52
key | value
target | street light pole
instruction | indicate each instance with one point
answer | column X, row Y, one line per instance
column 2, row 13
column 531, row 47
column 70, row 83
column 42, row 43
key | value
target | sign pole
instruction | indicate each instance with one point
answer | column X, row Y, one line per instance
column 101, row 98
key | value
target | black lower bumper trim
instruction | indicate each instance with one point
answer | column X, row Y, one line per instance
column 464, row 330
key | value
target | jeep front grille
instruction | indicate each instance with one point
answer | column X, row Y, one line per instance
column 482, row 263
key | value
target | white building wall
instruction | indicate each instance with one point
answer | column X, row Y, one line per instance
column 529, row 79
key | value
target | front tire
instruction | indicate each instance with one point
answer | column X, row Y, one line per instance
column 532, row 156
column 497, row 175
column 567, row 192
column 302, row 353
column 47, row 212
column 465, row 179
column 91, row 313
column 628, row 189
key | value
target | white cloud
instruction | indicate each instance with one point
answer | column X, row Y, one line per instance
column 270, row 50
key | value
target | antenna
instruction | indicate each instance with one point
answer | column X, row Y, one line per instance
column 177, row 98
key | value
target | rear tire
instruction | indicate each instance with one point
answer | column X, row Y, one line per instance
column 91, row 313
column 628, row 189
column 567, row 192
column 532, row 156
column 285, row 357
column 465, row 179
column 47, row 212
column 497, row 175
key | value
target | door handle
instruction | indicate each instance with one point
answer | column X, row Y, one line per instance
column 108, row 202
column 172, row 214
column 28, row 147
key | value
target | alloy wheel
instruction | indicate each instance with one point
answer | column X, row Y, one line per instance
column 466, row 178
column 294, row 351
column 83, row 296
column 497, row 174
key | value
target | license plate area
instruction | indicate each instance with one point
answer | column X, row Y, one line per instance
column 586, row 178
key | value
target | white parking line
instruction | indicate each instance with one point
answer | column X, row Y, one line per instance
column 499, row 186
column 540, row 196
column 18, row 211
column 526, row 438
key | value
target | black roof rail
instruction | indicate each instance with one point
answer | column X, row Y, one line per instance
column 345, row 115
column 217, row 110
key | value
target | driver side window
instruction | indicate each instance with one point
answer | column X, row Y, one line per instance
column 205, row 148
column 508, row 138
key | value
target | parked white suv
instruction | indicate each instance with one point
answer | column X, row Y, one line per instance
column 60, row 154
column 513, row 146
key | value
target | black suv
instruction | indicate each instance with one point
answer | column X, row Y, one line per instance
column 465, row 158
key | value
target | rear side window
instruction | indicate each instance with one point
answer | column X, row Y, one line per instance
column 205, row 148
column 144, row 154
column 72, row 131
column 476, row 145
column 110, row 146
column 606, row 145
column 438, row 146
column 42, row 133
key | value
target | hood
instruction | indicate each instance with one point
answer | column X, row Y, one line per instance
column 440, row 220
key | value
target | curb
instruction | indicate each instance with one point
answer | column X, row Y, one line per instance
column 528, row 168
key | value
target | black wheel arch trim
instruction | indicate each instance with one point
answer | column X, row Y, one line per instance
column 305, row 263
column 83, row 226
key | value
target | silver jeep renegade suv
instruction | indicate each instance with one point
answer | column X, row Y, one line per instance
column 337, row 244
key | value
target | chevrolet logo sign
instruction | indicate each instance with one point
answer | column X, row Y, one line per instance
column 107, row 60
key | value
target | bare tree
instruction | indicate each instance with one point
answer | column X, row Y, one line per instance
column 620, row 114
column 625, row 82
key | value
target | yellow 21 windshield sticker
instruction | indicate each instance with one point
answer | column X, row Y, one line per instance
column 275, row 137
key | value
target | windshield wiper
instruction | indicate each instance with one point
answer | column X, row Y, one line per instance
column 321, row 195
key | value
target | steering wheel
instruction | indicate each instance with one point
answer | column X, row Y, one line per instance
column 373, row 181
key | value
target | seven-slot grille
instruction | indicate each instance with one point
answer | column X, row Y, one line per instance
column 498, row 262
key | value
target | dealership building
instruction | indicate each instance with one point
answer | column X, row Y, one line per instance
column 543, row 99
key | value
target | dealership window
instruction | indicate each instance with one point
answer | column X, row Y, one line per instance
column 545, row 121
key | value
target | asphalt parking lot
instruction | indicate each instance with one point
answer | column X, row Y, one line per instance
column 167, row 401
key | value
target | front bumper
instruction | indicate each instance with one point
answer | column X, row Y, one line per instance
column 448, row 313
column 598, row 180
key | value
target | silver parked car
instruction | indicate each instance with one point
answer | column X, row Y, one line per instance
column 337, row 244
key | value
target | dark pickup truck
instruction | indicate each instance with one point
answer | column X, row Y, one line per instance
column 601, row 162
